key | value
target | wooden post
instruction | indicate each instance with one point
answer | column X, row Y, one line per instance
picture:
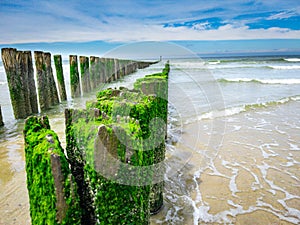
column 14, row 79
column 97, row 71
column 60, row 77
column 58, row 177
column 52, row 90
column 116, row 69
column 74, row 77
column 85, row 74
column 31, row 83
column 43, row 88
column 1, row 119
column 93, row 73
column 103, row 70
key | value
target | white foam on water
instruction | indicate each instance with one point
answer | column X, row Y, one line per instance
column 292, row 60
column 280, row 81
column 232, row 184
column 261, row 81
column 222, row 113
column 293, row 67
column 236, row 128
column 214, row 62
column 279, row 131
column 294, row 147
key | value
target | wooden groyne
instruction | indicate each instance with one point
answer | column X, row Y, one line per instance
column 113, row 146
column 24, row 95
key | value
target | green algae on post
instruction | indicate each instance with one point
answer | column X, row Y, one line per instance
column 74, row 77
column 52, row 191
column 60, row 77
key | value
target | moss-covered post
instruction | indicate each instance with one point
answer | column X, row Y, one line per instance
column 157, row 84
column 52, row 90
column 1, row 118
column 74, row 77
column 85, row 74
column 52, row 193
column 60, row 77
column 77, row 163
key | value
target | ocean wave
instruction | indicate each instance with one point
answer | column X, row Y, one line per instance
column 214, row 62
column 245, row 108
column 259, row 81
column 292, row 60
column 293, row 67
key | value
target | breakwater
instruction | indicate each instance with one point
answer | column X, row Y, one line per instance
column 88, row 74
column 114, row 148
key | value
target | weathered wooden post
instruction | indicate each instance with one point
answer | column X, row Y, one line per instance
column 74, row 77
column 42, row 82
column 60, row 77
column 93, row 74
column 1, row 119
column 52, row 91
column 97, row 71
column 14, row 79
column 19, row 72
column 31, row 83
column 85, row 74
column 103, row 70
column 116, row 71
column 110, row 64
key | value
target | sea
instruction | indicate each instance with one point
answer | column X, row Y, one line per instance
column 233, row 146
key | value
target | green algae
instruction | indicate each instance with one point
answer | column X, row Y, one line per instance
column 60, row 77
column 125, row 123
column 40, row 144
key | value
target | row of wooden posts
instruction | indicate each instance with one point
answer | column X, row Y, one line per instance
column 94, row 71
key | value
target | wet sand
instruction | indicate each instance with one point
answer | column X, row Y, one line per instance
column 253, row 178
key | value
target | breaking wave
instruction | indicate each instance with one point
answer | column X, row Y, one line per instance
column 259, row 81
column 245, row 108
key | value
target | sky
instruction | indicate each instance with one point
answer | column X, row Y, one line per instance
column 203, row 26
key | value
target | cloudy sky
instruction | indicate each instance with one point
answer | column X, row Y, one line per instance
column 188, row 21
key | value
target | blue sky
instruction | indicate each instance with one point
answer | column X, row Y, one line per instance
column 108, row 23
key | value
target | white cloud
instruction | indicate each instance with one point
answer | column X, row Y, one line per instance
column 124, row 21
column 282, row 15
